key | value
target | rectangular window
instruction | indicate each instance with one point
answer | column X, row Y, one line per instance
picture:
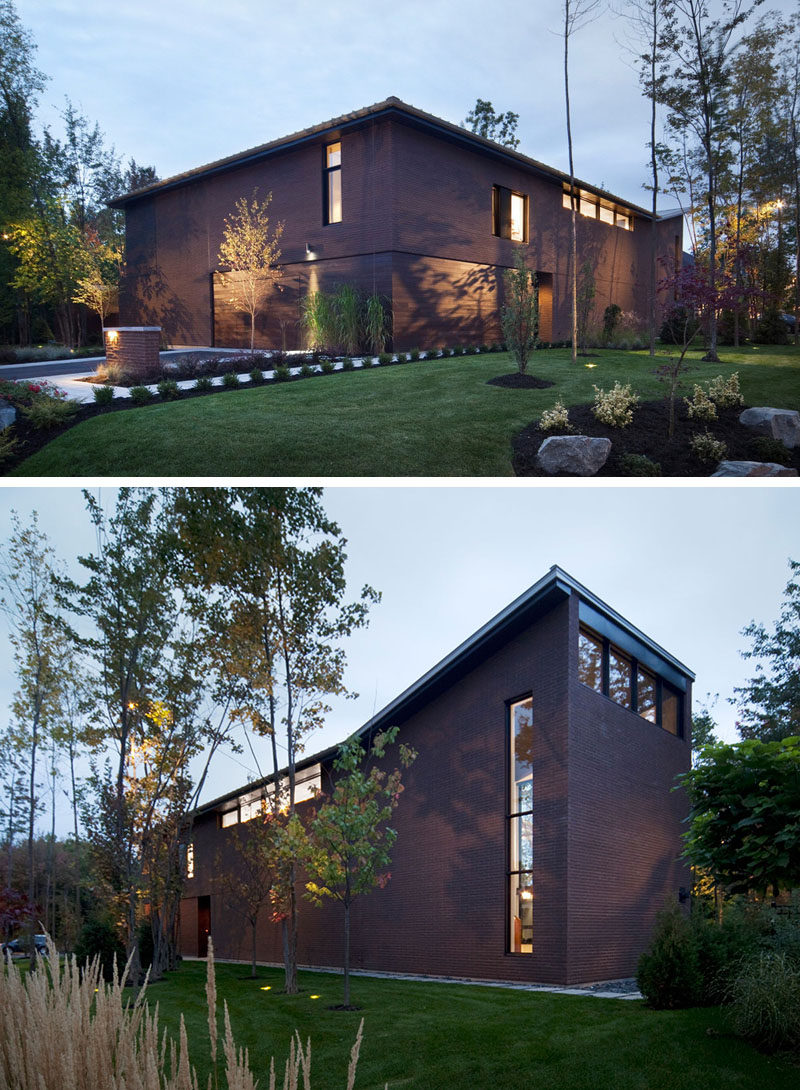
column 588, row 207
column 520, row 841
column 646, row 695
column 670, row 710
column 332, row 184
column 624, row 221
column 606, row 214
column 509, row 214
column 190, row 860
column 590, row 660
column 619, row 678
column 230, row 817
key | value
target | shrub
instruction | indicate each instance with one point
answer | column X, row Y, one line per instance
column 46, row 413
column 614, row 407
column 347, row 363
column 771, row 328
column 764, row 999
column 384, row 358
column 726, row 392
column 230, row 380
column 140, row 395
column 668, row 973
column 707, row 448
column 204, row 383
column 557, row 417
column 282, row 373
column 8, row 444
column 700, row 406
column 413, row 355
column 367, row 361
column 471, row 350
column 328, row 367
column 347, row 308
column 679, row 326
column 168, row 389
column 256, row 376
column 459, row 350
column 610, row 318
column 639, row 465
column 103, row 395
column 767, row 449
column 376, row 324
column 98, row 939
column 446, row 353
column 306, row 370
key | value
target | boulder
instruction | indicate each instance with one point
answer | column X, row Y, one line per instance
column 753, row 469
column 8, row 414
column 576, row 455
column 783, row 424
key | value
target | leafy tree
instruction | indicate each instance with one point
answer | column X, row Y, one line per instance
column 745, row 815
column 250, row 253
column 350, row 840
column 769, row 704
column 502, row 128
column 694, row 92
column 28, row 601
column 269, row 567
column 98, row 288
column 520, row 317
column 577, row 14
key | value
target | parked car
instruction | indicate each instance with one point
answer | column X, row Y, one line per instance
column 21, row 946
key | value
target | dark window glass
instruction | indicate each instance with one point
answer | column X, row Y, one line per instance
column 590, row 660
column 619, row 678
column 670, row 710
column 646, row 693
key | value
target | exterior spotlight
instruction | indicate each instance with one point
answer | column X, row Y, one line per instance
column 309, row 249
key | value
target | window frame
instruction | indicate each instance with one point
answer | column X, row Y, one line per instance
column 499, row 219
column 328, row 173
column 512, row 818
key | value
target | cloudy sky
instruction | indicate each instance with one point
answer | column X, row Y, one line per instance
column 186, row 82
column 690, row 566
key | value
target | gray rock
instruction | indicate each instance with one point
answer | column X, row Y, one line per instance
column 576, row 455
column 753, row 469
column 783, row 424
column 8, row 414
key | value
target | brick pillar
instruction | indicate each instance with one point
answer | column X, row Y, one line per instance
column 133, row 350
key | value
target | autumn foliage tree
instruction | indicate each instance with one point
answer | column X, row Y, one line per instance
column 249, row 253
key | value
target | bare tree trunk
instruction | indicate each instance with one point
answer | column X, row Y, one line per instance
column 573, row 199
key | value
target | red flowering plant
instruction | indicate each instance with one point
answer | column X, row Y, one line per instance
column 39, row 401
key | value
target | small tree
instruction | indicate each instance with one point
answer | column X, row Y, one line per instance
column 246, row 881
column 350, row 839
column 586, row 294
column 520, row 318
column 502, row 128
column 99, row 288
column 249, row 251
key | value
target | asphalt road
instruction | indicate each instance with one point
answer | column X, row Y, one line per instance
column 48, row 368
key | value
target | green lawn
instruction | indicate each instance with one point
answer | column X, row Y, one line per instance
column 437, row 419
column 435, row 1036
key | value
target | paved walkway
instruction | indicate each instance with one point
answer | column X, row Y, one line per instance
column 604, row 989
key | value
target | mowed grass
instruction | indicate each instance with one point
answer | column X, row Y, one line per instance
column 425, row 1036
column 437, row 419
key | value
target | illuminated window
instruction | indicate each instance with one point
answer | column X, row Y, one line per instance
column 606, row 214
column 588, row 207
column 230, row 817
column 509, row 214
column 520, row 840
column 190, row 860
column 624, row 221
column 332, row 184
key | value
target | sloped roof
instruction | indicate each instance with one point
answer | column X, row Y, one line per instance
column 549, row 591
column 390, row 107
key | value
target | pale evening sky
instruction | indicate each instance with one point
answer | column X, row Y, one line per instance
column 690, row 566
column 184, row 83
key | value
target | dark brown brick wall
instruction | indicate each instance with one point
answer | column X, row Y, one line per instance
column 606, row 834
column 416, row 226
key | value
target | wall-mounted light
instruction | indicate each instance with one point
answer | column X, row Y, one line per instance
column 309, row 250
column 112, row 336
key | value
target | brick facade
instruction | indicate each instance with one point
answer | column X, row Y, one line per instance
column 416, row 228
column 606, row 829
column 133, row 350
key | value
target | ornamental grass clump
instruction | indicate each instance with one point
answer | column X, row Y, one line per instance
column 63, row 1027
column 615, row 407
column 764, row 1000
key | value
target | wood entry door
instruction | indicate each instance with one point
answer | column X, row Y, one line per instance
column 203, row 925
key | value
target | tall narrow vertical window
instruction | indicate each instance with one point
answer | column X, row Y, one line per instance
column 520, row 839
column 332, row 184
column 190, row 860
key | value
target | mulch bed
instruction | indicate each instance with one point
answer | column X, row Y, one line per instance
column 647, row 435
column 516, row 381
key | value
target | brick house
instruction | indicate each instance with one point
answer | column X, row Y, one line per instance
column 539, row 832
column 396, row 202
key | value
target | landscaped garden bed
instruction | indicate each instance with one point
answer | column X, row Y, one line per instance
column 647, row 437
